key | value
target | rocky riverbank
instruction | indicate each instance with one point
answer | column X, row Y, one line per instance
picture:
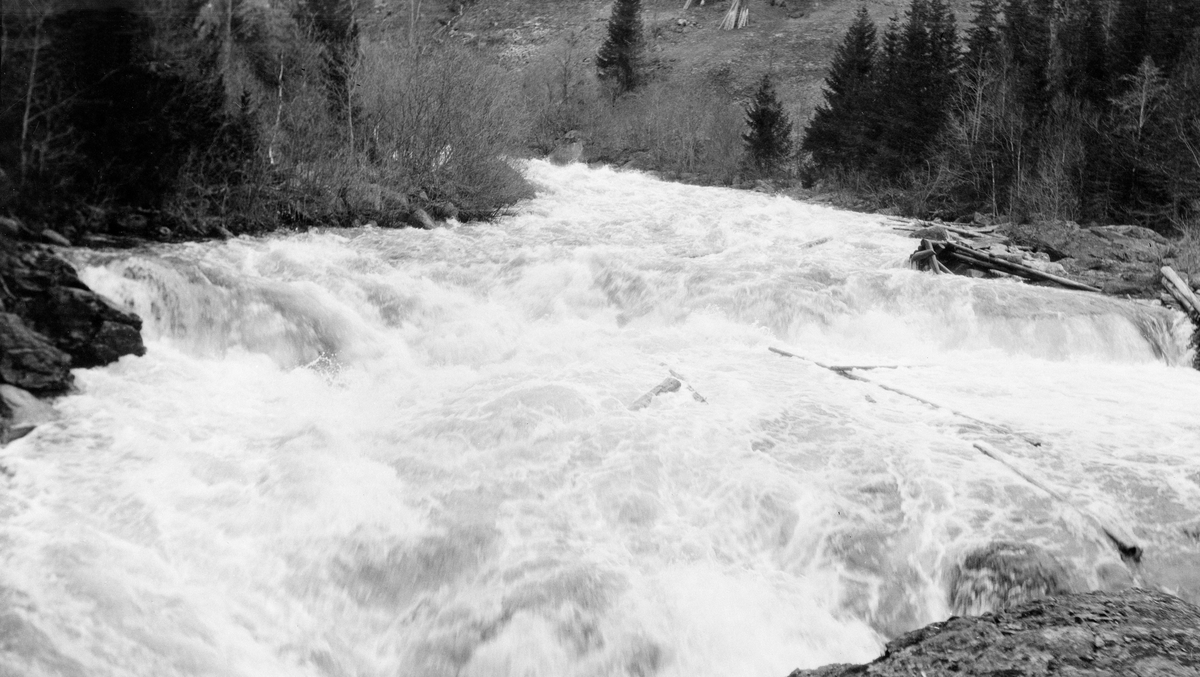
column 1132, row 632
column 50, row 322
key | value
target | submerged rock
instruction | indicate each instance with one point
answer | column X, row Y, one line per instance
column 1000, row 575
column 1132, row 632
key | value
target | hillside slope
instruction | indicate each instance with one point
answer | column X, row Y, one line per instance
column 794, row 39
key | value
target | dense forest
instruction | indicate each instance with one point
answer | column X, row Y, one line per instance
column 193, row 118
column 1083, row 110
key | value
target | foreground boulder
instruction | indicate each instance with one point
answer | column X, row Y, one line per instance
column 51, row 322
column 29, row 361
column 1132, row 632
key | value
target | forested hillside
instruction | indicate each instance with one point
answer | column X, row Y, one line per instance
column 1072, row 110
column 154, row 118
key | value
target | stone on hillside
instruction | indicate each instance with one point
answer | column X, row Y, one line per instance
column 1097, row 634
column 29, row 361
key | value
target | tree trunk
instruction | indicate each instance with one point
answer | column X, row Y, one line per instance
column 37, row 45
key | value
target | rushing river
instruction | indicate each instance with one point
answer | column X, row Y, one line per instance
column 361, row 453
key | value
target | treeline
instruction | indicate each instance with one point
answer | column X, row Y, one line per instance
column 189, row 118
column 1083, row 110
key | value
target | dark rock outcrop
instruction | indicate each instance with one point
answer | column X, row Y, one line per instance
column 1132, row 632
column 50, row 321
column 1117, row 259
column 29, row 361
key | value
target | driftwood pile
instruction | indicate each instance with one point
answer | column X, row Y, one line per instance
column 981, row 252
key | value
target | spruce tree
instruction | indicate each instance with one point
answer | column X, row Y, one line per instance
column 919, row 76
column 1027, row 39
column 840, row 133
column 619, row 58
column 769, row 137
column 983, row 38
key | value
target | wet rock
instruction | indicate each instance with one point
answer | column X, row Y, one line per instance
column 1000, row 575
column 87, row 326
column 21, row 412
column 419, row 218
column 29, row 361
column 1132, row 632
column 52, row 308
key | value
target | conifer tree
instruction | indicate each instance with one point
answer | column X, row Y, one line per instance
column 619, row 58
column 983, row 38
column 769, row 137
column 1082, row 44
column 1027, row 41
column 919, row 75
column 840, row 133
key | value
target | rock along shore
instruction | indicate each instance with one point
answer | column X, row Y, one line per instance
column 50, row 322
column 1096, row 634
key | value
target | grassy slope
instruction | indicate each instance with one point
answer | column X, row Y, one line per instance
column 795, row 41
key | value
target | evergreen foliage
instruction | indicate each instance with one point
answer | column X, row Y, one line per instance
column 983, row 38
column 841, row 133
column 768, row 138
column 1075, row 109
column 620, row 56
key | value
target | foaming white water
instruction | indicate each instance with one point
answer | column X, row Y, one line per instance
column 389, row 453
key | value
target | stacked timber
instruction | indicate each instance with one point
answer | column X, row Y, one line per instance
column 960, row 258
column 738, row 16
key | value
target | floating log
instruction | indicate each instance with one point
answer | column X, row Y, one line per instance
column 695, row 395
column 847, row 372
column 1116, row 534
column 669, row 385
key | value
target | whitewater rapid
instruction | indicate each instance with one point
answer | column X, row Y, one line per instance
column 410, row 453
